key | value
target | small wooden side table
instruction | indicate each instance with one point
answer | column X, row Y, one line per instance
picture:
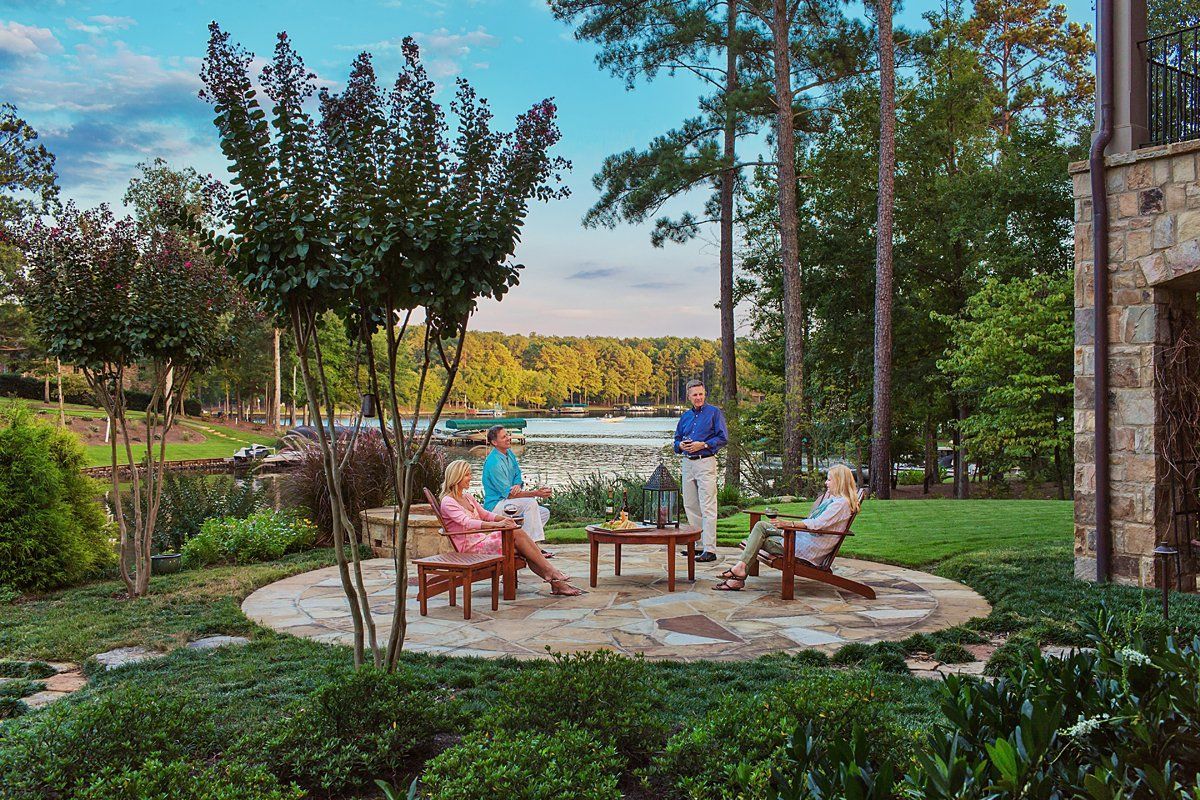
column 673, row 538
column 448, row 571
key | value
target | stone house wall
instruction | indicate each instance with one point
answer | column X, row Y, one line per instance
column 1154, row 244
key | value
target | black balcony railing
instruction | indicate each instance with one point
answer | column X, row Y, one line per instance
column 1173, row 84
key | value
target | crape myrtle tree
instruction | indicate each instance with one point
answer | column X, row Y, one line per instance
column 373, row 214
column 112, row 297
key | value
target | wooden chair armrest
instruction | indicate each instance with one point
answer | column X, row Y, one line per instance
column 759, row 513
column 786, row 527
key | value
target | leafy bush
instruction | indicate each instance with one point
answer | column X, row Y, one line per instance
column 188, row 780
column 567, row 765
column 62, row 748
column 1012, row 655
column 730, row 752
column 360, row 725
column 53, row 531
column 1120, row 721
column 886, row 656
column 583, row 499
column 613, row 697
column 366, row 480
column 188, row 501
column 21, row 687
column 263, row 536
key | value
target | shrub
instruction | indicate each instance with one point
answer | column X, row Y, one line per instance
column 613, row 697
column 950, row 653
column 567, row 765
column 62, row 748
column 886, row 656
column 188, row 780
column 1119, row 721
column 583, row 499
column 366, row 480
column 736, row 744
column 20, row 687
column 188, row 501
column 1011, row 655
column 53, row 531
column 263, row 536
column 361, row 725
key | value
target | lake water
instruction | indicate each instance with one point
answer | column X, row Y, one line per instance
column 559, row 448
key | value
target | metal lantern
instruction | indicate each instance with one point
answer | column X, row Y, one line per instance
column 1164, row 554
column 660, row 499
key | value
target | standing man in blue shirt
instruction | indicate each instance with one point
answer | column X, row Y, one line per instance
column 503, row 484
column 700, row 433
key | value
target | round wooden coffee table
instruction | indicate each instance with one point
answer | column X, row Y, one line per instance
column 673, row 538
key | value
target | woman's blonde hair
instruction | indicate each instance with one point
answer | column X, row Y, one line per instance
column 456, row 471
column 844, row 485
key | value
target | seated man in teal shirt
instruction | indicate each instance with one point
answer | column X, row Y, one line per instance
column 504, row 485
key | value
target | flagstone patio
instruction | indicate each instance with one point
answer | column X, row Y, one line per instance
column 633, row 613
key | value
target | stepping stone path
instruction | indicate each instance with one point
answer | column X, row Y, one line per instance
column 69, row 678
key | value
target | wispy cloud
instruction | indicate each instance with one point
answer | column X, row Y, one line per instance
column 657, row 285
column 442, row 52
column 101, row 23
column 595, row 274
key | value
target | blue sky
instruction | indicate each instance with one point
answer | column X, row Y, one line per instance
column 109, row 84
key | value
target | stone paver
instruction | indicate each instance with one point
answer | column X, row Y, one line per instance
column 126, row 655
column 213, row 642
column 633, row 613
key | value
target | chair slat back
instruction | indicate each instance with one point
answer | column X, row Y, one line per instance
column 437, row 512
column 827, row 562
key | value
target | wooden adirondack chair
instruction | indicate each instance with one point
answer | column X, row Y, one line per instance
column 512, row 562
column 793, row 566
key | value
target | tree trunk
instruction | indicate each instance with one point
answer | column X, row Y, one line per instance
column 62, row 409
column 962, row 486
column 733, row 475
column 277, row 387
column 933, row 473
column 46, row 382
column 789, row 248
column 881, row 444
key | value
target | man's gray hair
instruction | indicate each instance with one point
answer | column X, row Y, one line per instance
column 692, row 384
column 493, row 432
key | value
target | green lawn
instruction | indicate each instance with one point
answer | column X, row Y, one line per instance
column 219, row 441
column 916, row 533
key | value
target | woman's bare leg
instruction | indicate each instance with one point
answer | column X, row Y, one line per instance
column 531, row 551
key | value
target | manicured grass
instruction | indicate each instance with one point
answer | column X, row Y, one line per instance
column 73, row 624
column 219, row 441
column 920, row 533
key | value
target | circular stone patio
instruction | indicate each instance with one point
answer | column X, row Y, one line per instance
column 632, row 613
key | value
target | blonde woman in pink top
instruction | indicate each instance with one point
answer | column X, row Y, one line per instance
column 465, row 518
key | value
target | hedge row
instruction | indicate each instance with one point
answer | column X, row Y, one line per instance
column 34, row 389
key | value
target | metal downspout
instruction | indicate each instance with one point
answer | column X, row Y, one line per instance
column 1104, row 86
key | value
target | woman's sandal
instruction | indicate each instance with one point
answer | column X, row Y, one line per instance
column 554, row 588
column 727, row 585
column 729, row 576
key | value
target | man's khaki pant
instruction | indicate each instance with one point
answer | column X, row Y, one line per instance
column 700, row 497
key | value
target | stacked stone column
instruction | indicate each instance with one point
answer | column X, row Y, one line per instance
column 1154, row 246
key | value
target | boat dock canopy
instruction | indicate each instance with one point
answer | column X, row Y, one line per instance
column 512, row 423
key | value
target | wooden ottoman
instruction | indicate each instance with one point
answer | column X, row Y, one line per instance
column 448, row 571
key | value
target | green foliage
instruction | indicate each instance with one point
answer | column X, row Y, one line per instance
column 21, row 687
column 25, row 669
column 357, row 725
column 12, row 707
column 63, row 748
column 262, row 536
column 52, row 527
column 30, row 184
column 187, row 780
column 567, row 765
column 730, row 752
column 583, row 499
column 950, row 653
column 1011, row 655
column 1121, row 721
column 886, row 656
column 612, row 697
column 1012, row 353
column 188, row 501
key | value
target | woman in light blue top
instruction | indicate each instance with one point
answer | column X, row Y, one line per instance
column 830, row 513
